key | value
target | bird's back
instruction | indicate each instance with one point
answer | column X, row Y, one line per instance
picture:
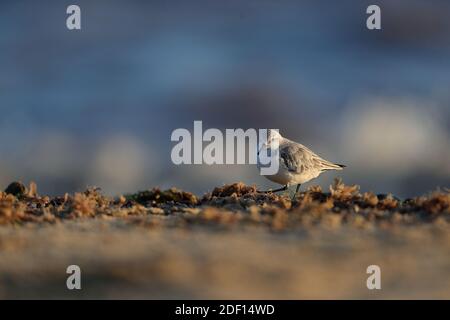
column 298, row 158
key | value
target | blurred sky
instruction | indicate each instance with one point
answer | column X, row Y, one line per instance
column 97, row 106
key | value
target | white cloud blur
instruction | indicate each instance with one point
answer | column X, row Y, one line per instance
column 395, row 137
column 120, row 164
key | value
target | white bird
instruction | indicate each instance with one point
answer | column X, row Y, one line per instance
column 297, row 165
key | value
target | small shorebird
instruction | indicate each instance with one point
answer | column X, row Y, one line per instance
column 297, row 164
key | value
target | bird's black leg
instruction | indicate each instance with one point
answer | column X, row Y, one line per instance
column 296, row 191
column 276, row 190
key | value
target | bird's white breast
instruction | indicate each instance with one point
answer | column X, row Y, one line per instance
column 286, row 177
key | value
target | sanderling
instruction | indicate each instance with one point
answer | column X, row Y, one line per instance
column 297, row 164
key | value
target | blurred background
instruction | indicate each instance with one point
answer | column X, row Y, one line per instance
column 97, row 106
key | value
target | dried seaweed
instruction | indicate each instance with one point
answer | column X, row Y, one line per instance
column 230, row 205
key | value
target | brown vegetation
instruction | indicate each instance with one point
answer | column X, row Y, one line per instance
column 230, row 204
column 231, row 243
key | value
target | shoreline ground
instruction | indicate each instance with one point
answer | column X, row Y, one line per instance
column 232, row 243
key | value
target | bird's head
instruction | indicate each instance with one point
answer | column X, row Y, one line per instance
column 273, row 140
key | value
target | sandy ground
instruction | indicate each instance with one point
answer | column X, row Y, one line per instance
column 219, row 248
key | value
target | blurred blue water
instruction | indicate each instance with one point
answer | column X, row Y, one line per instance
column 140, row 69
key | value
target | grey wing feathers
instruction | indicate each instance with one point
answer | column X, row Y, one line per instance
column 297, row 158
